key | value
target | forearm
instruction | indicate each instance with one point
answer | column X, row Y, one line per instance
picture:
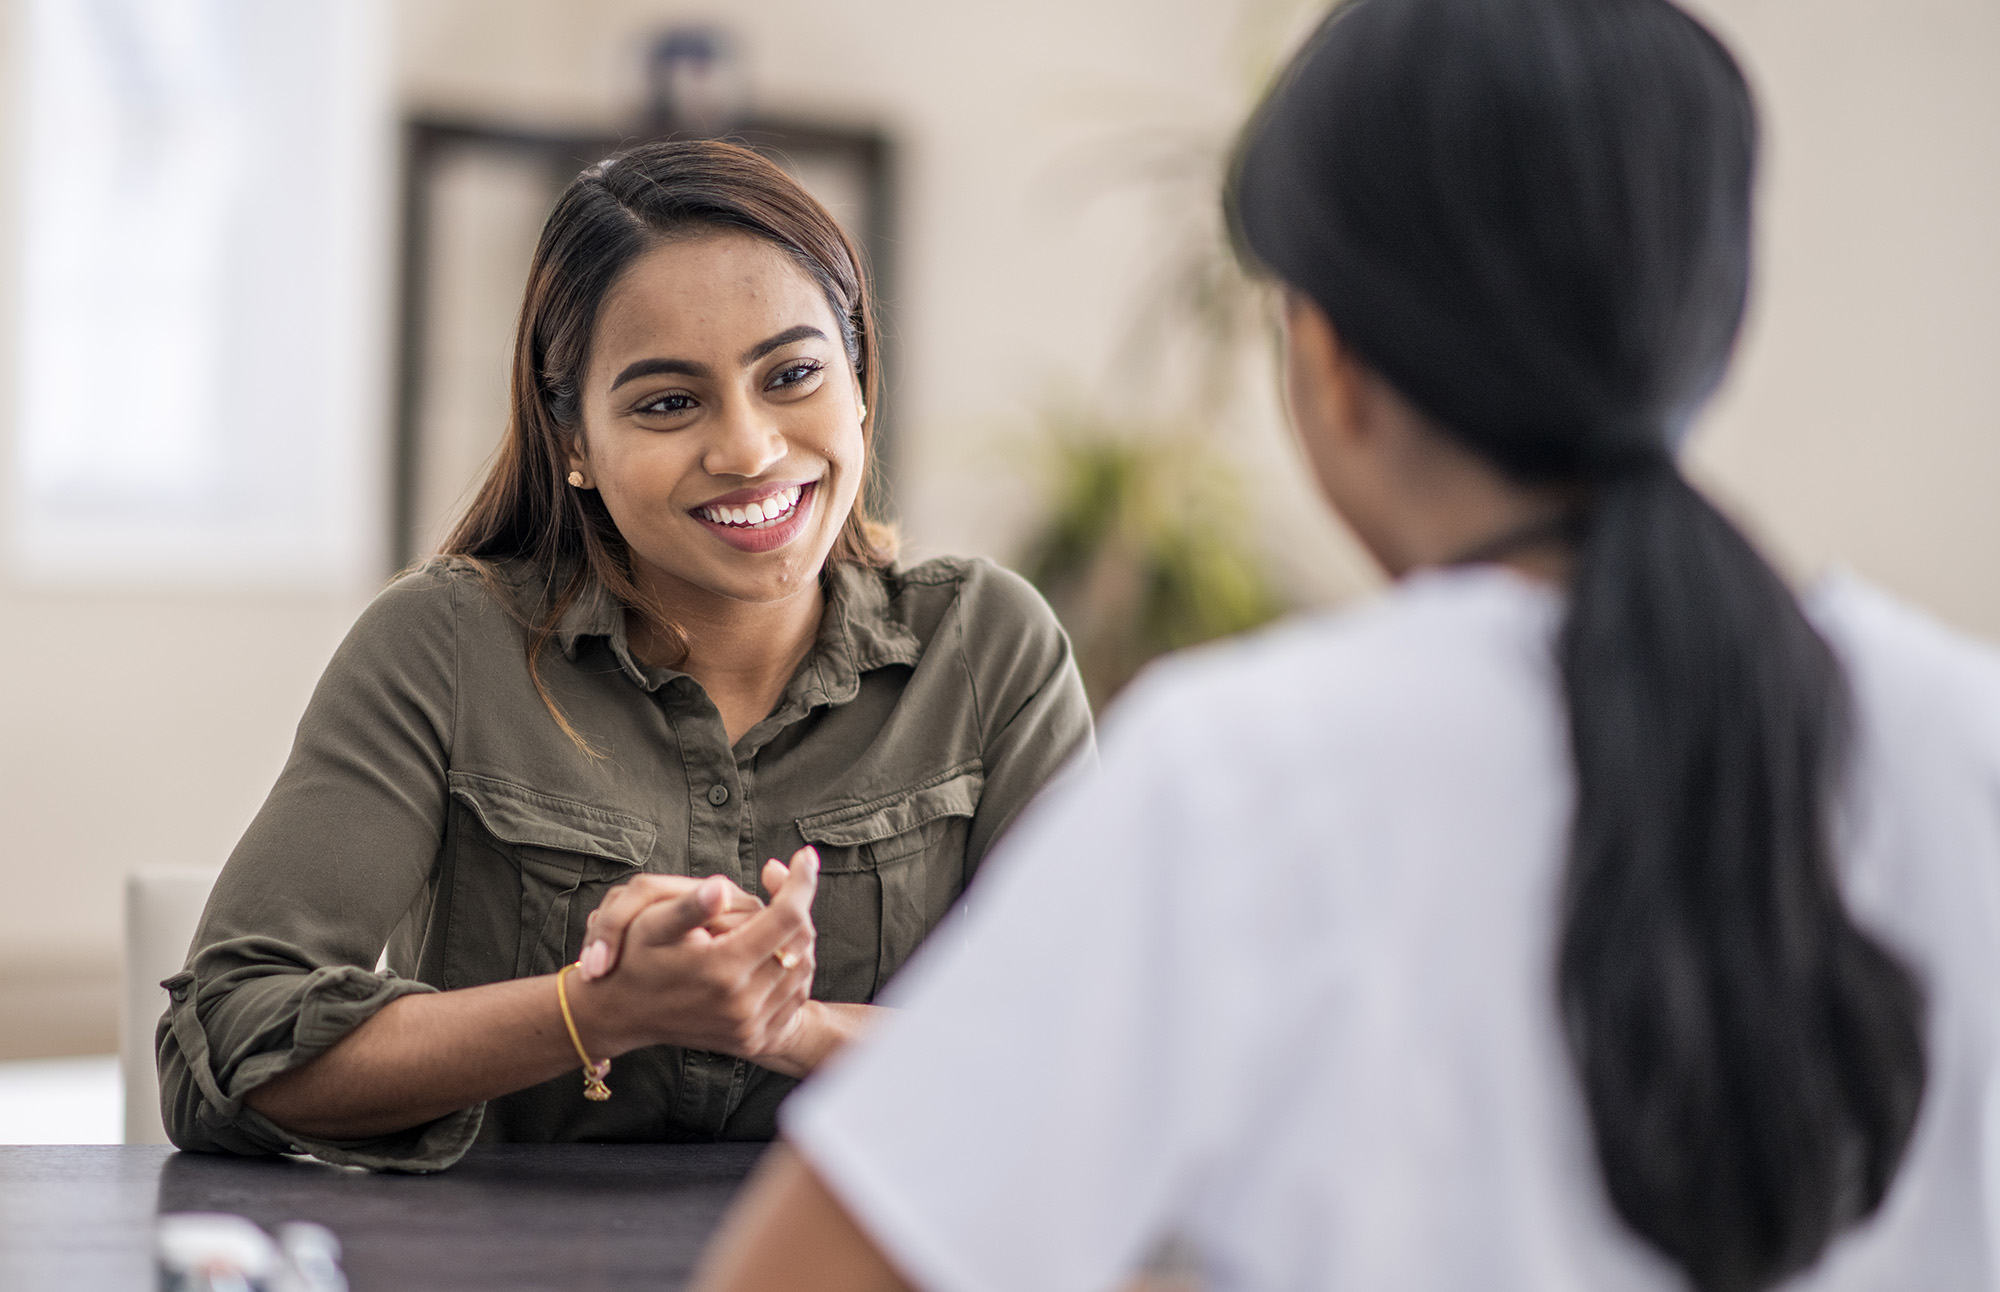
column 423, row 1056
column 787, row 1230
column 823, row 1028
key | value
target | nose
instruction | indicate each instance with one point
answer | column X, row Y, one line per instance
column 745, row 443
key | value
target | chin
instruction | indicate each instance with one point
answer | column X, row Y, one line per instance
column 782, row 578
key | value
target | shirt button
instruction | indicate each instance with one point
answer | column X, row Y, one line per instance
column 718, row 794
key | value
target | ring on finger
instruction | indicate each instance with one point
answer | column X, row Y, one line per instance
column 786, row 957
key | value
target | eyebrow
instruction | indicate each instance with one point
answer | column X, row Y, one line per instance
column 654, row 367
column 803, row 332
column 689, row 368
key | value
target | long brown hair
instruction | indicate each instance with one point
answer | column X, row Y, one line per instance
column 608, row 217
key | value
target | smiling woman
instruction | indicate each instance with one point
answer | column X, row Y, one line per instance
column 665, row 437
column 666, row 641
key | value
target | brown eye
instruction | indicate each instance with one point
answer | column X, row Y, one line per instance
column 666, row 404
column 794, row 373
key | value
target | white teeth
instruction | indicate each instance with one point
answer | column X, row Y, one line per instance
column 773, row 508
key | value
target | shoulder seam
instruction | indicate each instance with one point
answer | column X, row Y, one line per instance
column 957, row 612
column 950, row 569
column 457, row 674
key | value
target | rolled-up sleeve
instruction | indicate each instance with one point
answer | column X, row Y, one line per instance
column 283, row 962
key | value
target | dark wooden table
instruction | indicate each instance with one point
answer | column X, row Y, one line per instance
column 576, row 1217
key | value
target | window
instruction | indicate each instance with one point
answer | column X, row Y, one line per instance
column 204, row 198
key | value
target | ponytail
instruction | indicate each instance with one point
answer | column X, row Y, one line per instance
column 1752, row 1061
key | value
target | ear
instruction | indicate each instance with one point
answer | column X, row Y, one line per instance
column 577, row 457
column 1325, row 380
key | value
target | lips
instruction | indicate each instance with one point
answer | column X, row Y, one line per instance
column 768, row 509
column 759, row 519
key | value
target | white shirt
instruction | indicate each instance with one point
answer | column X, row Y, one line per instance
column 1279, row 980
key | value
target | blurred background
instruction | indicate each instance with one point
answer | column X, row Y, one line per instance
column 259, row 266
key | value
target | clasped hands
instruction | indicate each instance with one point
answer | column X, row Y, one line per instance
column 672, row 960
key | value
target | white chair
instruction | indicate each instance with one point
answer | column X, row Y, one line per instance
column 162, row 907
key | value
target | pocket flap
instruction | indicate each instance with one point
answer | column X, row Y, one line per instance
column 954, row 792
column 516, row 814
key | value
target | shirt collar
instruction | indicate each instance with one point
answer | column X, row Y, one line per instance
column 858, row 633
column 595, row 613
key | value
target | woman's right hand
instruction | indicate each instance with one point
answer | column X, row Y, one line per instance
column 709, row 969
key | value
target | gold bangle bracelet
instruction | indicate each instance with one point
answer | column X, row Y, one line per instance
column 593, row 1073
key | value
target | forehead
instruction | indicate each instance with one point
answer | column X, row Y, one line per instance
column 707, row 297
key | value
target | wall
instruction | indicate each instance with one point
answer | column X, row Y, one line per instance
column 1016, row 283
column 138, row 726
column 1859, row 426
column 139, row 730
column 1862, row 426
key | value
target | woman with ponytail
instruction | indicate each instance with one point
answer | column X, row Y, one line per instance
column 1586, row 913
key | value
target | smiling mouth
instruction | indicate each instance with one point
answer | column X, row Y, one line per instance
column 764, row 514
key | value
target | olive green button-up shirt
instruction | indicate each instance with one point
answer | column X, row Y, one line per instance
column 433, row 807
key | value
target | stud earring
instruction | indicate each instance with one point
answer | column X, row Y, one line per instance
column 861, row 411
column 576, row 479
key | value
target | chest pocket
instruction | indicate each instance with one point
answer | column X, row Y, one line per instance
column 562, row 854
column 890, row 868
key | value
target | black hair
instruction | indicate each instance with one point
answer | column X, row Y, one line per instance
column 1532, row 217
